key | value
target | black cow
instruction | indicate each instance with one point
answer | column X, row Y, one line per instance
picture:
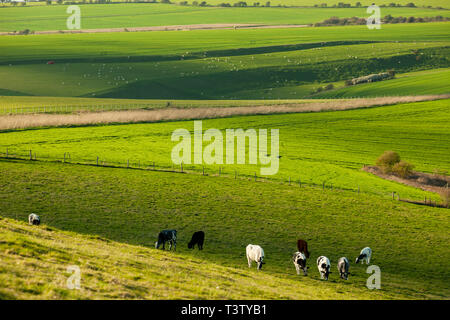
column 167, row 236
column 197, row 239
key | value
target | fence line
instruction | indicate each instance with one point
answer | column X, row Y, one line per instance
column 66, row 158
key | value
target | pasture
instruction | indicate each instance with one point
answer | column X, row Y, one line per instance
column 197, row 65
column 105, row 187
column 131, row 206
column 421, row 82
column 318, row 148
column 128, row 15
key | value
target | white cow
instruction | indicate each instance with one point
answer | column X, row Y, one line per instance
column 323, row 264
column 300, row 262
column 255, row 253
column 34, row 219
column 343, row 266
column 365, row 254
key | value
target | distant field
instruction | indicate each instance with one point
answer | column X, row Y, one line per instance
column 325, row 147
column 422, row 82
column 155, row 14
column 302, row 3
column 200, row 65
column 131, row 206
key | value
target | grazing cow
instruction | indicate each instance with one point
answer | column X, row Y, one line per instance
column 167, row 236
column 323, row 264
column 34, row 219
column 302, row 246
column 343, row 266
column 255, row 253
column 365, row 254
column 300, row 262
column 197, row 239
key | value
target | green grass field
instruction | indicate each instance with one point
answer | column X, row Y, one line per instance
column 197, row 65
column 106, row 218
column 413, row 83
column 122, row 205
column 325, row 147
column 152, row 14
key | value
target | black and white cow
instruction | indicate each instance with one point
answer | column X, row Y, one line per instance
column 255, row 253
column 169, row 236
column 34, row 219
column 323, row 264
column 343, row 266
column 197, row 239
column 300, row 262
column 364, row 255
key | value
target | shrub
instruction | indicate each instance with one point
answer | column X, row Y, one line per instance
column 403, row 169
column 445, row 196
column 329, row 86
column 387, row 160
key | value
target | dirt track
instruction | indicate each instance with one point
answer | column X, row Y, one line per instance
column 168, row 28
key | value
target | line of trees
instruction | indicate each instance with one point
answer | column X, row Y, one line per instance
column 336, row 21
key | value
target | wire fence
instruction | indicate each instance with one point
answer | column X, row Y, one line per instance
column 17, row 109
column 149, row 165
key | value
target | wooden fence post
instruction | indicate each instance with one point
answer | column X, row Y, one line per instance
column 255, row 176
column 393, row 193
column 203, row 170
column 289, row 180
column 7, row 157
column 97, row 160
column 323, row 185
column 64, row 161
column 31, row 155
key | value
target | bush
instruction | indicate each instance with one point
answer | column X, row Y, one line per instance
column 445, row 196
column 403, row 169
column 329, row 87
column 387, row 160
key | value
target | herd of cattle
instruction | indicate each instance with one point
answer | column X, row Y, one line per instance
column 256, row 254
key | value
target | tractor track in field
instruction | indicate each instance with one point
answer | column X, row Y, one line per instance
column 12, row 122
column 166, row 28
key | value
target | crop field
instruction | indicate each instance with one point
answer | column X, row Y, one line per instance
column 155, row 14
column 317, row 148
column 98, row 202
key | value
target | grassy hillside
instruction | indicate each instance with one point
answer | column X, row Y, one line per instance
column 200, row 65
column 152, row 14
column 123, row 205
column 326, row 147
column 422, row 82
